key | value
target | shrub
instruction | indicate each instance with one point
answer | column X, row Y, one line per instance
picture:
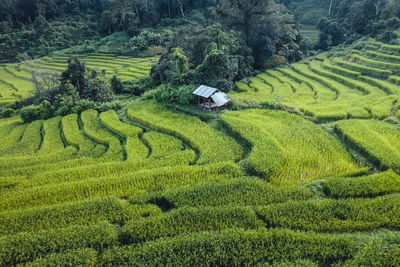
column 172, row 94
column 275, row 61
column 7, row 113
column 34, row 112
column 116, row 85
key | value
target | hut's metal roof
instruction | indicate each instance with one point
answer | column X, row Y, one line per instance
column 205, row 91
column 220, row 99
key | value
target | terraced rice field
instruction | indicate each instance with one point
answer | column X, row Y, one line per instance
column 15, row 79
column 277, row 140
column 102, row 189
column 315, row 183
column 363, row 85
column 310, row 32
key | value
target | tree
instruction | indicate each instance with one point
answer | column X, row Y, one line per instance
column 106, row 21
column 43, row 80
column 331, row 34
column 218, row 69
column 41, row 26
column 116, row 85
column 330, row 7
column 171, row 67
column 120, row 10
column 258, row 20
column 75, row 74
column 97, row 88
column 181, row 4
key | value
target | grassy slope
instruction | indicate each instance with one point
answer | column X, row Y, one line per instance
column 180, row 196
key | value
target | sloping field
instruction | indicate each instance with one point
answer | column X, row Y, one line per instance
column 363, row 85
column 310, row 32
column 15, row 79
column 278, row 138
column 159, row 187
column 315, row 183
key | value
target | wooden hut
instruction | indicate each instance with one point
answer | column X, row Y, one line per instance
column 210, row 98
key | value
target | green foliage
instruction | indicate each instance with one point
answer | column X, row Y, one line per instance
column 394, row 79
column 13, row 136
column 329, row 215
column 171, row 68
column 234, row 247
column 76, row 213
column 98, row 89
column 145, row 39
column 241, row 192
column 391, row 48
column 116, row 85
column 26, row 247
column 80, row 257
column 323, row 90
column 121, row 185
column 378, row 140
column 380, row 250
column 384, row 57
column 7, row 113
column 189, row 220
column 31, row 113
column 29, row 143
column 196, row 133
column 377, row 63
column 93, row 130
column 172, row 94
column 308, row 11
column 52, row 142
column 134, row 147
column 275, row 61
column 364, row 69
column 366, row 186
column 218, row 70
column 74, row 137
column 277, row 138
column 162, row 144
column 266, row 25
column 172, row 180
column 111, row 120
column 332, row 33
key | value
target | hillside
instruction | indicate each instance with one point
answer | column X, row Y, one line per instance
column 106, row 158
column 151, row 186
column 16, row 78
